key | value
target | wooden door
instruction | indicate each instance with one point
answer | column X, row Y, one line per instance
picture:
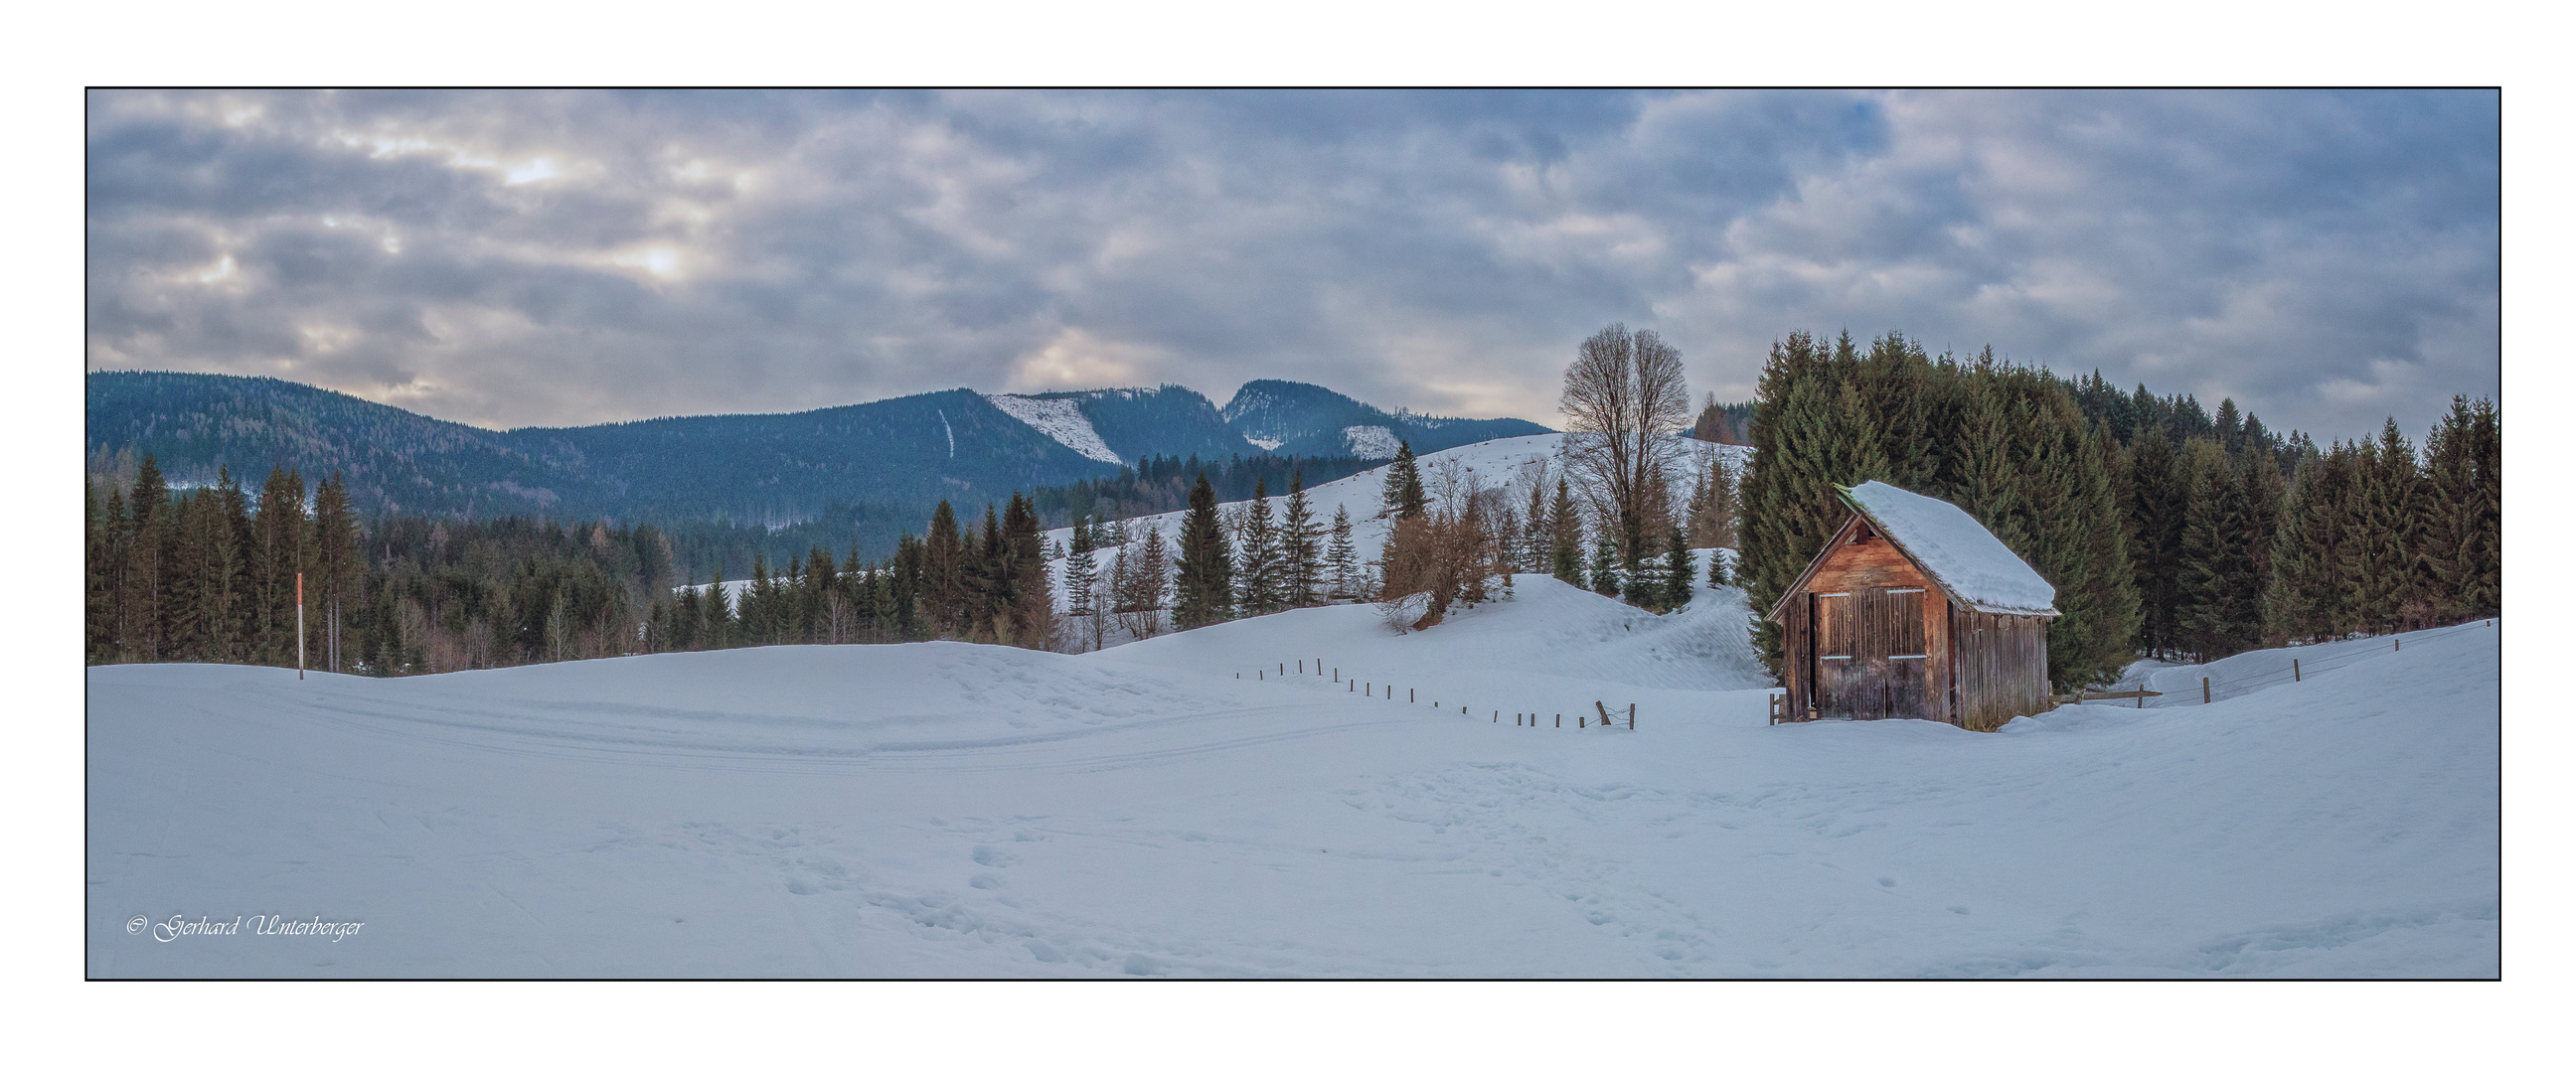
column 1902, row 652
column 1845, row 686
column 1870, row 657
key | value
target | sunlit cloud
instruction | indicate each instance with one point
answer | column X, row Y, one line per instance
column 525, row 258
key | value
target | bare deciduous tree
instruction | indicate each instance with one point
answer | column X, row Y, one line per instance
column 1624, row 398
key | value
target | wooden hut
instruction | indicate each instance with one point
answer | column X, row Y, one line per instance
column 1864, row 639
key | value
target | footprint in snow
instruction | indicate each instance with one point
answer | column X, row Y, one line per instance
column 994, row 858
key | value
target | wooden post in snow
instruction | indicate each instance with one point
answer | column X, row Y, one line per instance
column 2204, row 690
column 1632, row 715
column 2294, row 669
column 299, row 625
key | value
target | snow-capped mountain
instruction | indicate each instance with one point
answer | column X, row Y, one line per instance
column 1302, row 419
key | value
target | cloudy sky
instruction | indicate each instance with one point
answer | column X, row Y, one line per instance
column 511, row 259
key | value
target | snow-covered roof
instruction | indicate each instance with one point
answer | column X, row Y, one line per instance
column 1963, row 558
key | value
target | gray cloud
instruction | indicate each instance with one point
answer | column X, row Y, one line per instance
column 557, row 258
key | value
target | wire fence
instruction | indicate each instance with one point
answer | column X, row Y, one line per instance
column 1602, row 716
column 2300, row 668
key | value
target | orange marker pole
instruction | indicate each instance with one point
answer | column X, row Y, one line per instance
column 299, row 625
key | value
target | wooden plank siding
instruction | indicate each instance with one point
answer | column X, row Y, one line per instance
column 1977, row 669
column 2003, row 668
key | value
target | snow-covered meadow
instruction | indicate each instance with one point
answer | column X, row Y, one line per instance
column 944, row 809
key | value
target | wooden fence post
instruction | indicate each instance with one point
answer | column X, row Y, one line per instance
column 2400, row 644
column 2294, row 669
column 1560, row 720
column 1632, row 715
column 2204, row 690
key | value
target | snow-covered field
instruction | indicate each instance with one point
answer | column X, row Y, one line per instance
column 953, row 810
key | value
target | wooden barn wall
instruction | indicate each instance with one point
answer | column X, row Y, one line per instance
column 1871, row 564
column 1795, row 652
column 2002, row 667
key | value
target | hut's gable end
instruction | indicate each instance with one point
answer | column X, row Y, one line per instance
column 1957, row 553
column 1863, row 559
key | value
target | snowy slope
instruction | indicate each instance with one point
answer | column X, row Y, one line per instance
column 951, row 810
column 1061, row 420
column 1497, row 463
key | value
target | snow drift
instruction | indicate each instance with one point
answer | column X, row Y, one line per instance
column 952, row 810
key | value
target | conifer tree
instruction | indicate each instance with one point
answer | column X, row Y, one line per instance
column 146, row 548
column 1080, row 572
column 1301, row 540
column 1342, row 557
column 943, row 574
column 1565, row 536
column 1205, row 586
column 2153, row 520
column 278, row 532
column 2463, row 537
column 336, row 566
column 1605, row 565
column 1679, row 578
column 1537, row 551
column 1257, row 580
column 1404, row 497
column 1031, row 607
column 2216, row 610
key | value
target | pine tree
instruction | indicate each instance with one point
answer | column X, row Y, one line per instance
column 1605, row 566
column 144, row 591
column 1258, row 584
column 1342, row 558
column 336, row 565
column 2153, row 519
column 1205, row 586
column 2463, row 538
column 1031, row 607
column 1301, row 547
column 1565, row 537
column 943, row 574
column 1080, row 571
column 1404, row 497
column 1531, row 548
column 2215, row 572
column 278, row 533
column 1679, row 578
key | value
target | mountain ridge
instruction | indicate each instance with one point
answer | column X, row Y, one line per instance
column 908, row 451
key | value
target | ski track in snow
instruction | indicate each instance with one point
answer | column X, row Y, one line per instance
column 944, row 809
column 1061, row 420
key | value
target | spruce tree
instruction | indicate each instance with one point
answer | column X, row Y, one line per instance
column 2463, row 538
column 1031, row 608
column 276, row 555
column 1258, row 584
column 1080, row 572
column 943, row 573
column 2153, row 520
column 1605, row 566
column 336, row 565
column 1342, row 557
column 2215, row 573
column 1301, row 547
column 1403, row 496
column 147, row 542
column 1565, row 537
column 1679, row 578
column 1205, row 585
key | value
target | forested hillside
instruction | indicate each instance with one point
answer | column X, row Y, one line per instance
column 2167, row 530
column 1302, row 419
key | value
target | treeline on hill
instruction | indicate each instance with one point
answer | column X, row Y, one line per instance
column 706, row 547
column 209, row 574
column 2166, row 529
